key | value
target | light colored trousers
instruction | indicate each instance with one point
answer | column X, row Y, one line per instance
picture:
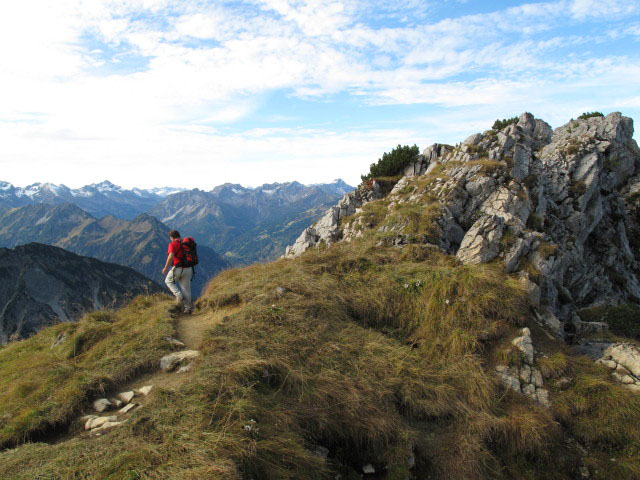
column 179, row 282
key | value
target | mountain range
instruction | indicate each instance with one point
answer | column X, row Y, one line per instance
column 43, row 285
column 139, row 243
column 249, row 224
column 98, row 199
column 245, row 224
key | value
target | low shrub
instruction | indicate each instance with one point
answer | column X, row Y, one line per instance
column 505, row 122
column 586, row 115
column 393, row 162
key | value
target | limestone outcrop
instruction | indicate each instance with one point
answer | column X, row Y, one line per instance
column 561, row 207
column 526, row 378
column 327, row 229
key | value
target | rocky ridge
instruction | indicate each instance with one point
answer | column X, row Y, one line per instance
column 557, row 207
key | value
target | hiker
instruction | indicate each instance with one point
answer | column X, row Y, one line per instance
column 179, row 277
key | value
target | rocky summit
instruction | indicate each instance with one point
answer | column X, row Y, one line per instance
column 558, row 207
column 44, row 285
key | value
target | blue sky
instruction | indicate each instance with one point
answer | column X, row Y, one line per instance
column 194, row 93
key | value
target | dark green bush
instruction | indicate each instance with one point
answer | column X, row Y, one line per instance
column 623, row 320
column 586, row 115
column 500, row 124
column 393, row 163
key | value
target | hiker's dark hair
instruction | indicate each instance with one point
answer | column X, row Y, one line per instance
column 174, row 234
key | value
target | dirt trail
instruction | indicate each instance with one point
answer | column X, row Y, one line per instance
column 190, row 330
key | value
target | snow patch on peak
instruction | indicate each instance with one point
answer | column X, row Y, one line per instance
column 106, row 186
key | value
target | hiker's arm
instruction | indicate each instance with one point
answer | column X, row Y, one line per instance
column 168, row 262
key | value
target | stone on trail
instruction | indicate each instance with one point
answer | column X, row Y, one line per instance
column 169, row 362
column 115, row 403
column 127, row 408
column 101, row 405
column 368, row 468
column 175, row 342
column 106, row 425
column 98, row 422
column 146, row 390
column 126, row 397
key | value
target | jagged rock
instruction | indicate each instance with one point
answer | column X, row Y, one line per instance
column 116, row 403
column 169, row 362
column 542, row 396
column 480, row 244
column 625, row 354
column 146, row 390
column 533, row 290
column 609, row 363
column 101, row 405
column 626, row 379
column 620, row 370
column 563, row 205
column 526, row 380
column 368, row 468
column 327, row 228
column 550, row 320
column 509, row 377
column 126, row 397
column 525, row 345
column 536, row 378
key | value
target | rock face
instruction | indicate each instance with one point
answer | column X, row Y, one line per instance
column 327, row 229
column 42, row 285
column 561, row 206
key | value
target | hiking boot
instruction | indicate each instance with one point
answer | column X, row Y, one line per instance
column 177, row 307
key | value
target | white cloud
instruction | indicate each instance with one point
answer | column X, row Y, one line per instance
column 581, row 9
column 67, row 94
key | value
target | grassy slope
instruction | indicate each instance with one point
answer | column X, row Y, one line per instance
column 376, row 353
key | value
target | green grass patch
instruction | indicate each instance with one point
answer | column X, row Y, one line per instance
column 42, row 387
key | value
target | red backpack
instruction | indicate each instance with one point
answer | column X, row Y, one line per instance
column 189, row 253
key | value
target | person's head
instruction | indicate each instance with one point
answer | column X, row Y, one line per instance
column 174, row 235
